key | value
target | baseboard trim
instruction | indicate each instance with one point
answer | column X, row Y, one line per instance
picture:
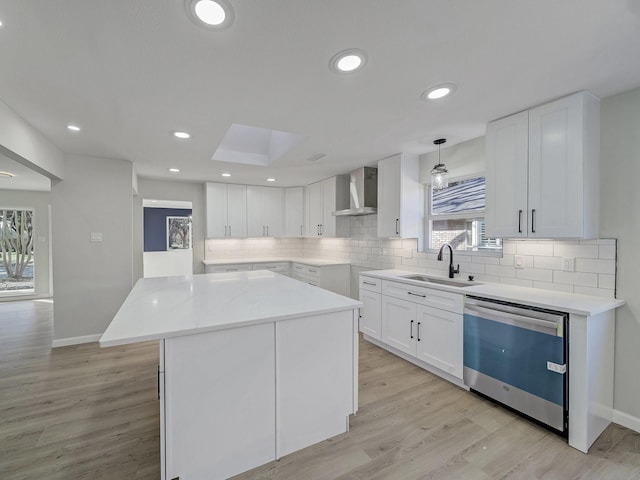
column 65, row 342
column 626, row 420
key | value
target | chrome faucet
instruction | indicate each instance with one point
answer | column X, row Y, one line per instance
column 452, row 270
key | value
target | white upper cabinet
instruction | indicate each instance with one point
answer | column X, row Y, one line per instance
column 400, row 198
column 294, row 212
column 265, row 211
column 324, row 198
column 226, row 210
column 542, row 171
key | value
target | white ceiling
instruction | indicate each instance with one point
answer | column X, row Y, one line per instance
column 130, row 72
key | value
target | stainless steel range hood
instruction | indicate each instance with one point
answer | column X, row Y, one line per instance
column 363, row 193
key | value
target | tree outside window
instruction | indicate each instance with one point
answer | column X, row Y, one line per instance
column 16, row 248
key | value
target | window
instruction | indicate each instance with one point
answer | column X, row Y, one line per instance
column 456, row 216
column 16, row 251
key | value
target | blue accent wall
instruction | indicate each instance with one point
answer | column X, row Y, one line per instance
column 155, row 226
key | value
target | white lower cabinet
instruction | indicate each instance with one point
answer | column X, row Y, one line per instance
column 234, row 399
column 208, row 411
column 423, row 323
column 335, row 278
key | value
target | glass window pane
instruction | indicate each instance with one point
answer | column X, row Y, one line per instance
column 459, row 197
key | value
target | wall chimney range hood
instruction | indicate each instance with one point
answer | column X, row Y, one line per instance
column 363, row 193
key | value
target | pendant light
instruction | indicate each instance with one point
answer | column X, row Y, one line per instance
column 439, row 172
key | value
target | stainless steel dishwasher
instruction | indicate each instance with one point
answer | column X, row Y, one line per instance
column 517, row 355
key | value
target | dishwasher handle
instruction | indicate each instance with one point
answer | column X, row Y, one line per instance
column 549, row 327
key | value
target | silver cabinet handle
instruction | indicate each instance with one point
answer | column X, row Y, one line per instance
column 397, row 226
column 533, row 220
column 416, row 295
column 411, row 329
column 418, row 331
column 369, row 283
column 301, row 230
column 225, row 230
column 229, row 230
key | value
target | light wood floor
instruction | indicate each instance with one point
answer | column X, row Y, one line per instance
column 88, row 413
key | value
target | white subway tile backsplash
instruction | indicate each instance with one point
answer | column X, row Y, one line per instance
column 556, row 287
column 607, row 252
column 537, row 274
column 600, row 292
column 576, row 278
column 595, row 259
column 531, row 248
column 607, row 281
column 575, row 250
column 595, row 266
column 550, row 263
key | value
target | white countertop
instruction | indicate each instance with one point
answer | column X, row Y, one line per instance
column 165, row 307
column 561, row 301
column 314, row 262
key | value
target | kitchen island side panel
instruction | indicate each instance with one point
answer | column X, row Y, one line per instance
column 219, row 402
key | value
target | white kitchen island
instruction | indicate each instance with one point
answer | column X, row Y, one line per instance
column 253, row 366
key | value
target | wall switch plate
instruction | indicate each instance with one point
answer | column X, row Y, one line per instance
column 568, row 264
column 96, row 236
column 518, row 261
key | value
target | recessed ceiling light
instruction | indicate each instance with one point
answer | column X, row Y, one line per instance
column 348, row 61
column 439, row 91
column 73, row 128
column 0, row 23
column 271, row 179
column 225, row 174
column 181, row 135
column 174, row 170
column 215, row 15
column 7, row 174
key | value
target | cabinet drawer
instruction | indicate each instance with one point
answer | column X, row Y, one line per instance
column 298, row 276
column 298, row 269
column 371, row 284
column 241, row 267
column 431, row 297
column 314, row 272
column 280, row 267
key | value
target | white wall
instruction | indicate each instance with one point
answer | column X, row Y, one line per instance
column 462, row 160
column 90, row 279
column 24, row 144
column 167, row 190
column 620, row 218
column 38, row 202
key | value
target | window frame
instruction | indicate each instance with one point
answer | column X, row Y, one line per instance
column 430, row 217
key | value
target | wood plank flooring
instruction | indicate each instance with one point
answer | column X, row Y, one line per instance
column 83, row 412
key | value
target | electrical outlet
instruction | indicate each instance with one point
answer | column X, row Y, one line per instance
column 96, row 236
column 568, row 264
column 518, row 261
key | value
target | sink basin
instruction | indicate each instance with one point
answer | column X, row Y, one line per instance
column 440, row 281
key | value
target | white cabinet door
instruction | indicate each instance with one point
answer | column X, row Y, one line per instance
column 506, row 212
column 314, row 389
column 543, row 171
column 556, row 169
column 370, row 314
column 439, row 340
column 315, row 208
column 237, row 210
column 294, row 212
column 389, row 197
column 400, row 198
column 399, row 324
column 216, row 200
column 207, row 426
column 226, row 210
column 328, row 228
column 264, row 211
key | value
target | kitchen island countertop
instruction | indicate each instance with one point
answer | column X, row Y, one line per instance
column 166, row 307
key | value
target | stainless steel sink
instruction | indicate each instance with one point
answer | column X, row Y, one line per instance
column 440, row 281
